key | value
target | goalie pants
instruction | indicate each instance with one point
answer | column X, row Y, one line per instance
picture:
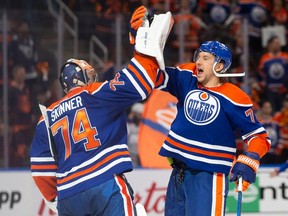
column 195, row 193
column 111, row 198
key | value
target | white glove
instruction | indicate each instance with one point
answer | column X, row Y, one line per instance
column 52, row 205
column 140, row 210
column 151, row 40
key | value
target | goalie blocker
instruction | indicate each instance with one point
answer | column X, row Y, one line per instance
column 151, row 40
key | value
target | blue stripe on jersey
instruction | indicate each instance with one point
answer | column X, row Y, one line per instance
column 196, row 162
column 155, row 126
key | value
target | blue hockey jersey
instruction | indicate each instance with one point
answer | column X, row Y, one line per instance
column 90, row 134
column 202, row 134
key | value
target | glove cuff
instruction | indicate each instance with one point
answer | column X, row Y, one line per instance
column 253, row 163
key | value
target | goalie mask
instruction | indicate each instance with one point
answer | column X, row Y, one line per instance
column 75, row 73
column 221, row 53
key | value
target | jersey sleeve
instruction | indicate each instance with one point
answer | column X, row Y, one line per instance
column 242, row 117
column 43, row 165
column 131, row 84
column 173, row 79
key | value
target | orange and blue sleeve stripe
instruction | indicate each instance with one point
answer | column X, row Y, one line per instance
column 142, row 76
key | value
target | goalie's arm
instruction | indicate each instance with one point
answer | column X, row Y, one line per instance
column 42, row 164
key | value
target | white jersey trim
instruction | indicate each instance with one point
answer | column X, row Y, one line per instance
column 197, row 158
column 35, row 174
column 166, row 78
column 214, row 192
column 92, row 160
column 201, row 144
column 135, row 84
column 143, row 71
column 257, row 131
column 100, row 87
column 94, row 174
column 42, row 159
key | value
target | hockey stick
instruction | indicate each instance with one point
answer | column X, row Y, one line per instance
column 239, row 204
column 52, row 144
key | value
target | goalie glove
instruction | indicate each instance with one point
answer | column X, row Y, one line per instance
column 52, row 204
column 140, row 18
column 246, row 166
column 151, row 40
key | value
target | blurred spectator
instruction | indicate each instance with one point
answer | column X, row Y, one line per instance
column 86, row 12
column 12, row 26
column 161, row 6
column 217, row 11
column 265, row 116
column 47, row 86
column 218, row 16
column 134, row 119
column 279, row 13
column 255, row 92
column 257, row 13
column 133, row 4
column 197, row 7
column 105, row 27
column 273, row 71
column 107, row 71
column 282, row 117
column 22, row 50
column 21, row 118
column 189, row 25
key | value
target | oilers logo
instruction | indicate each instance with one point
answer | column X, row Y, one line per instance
column 200, row 107
column 276, row 70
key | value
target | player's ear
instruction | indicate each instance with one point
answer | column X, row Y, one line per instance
column 219, row 67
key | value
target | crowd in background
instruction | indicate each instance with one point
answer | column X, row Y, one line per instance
column 33, row 77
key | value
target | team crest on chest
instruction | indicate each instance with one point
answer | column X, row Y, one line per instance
column 200, row 107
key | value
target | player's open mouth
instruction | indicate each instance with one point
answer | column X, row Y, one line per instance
column 199, row 71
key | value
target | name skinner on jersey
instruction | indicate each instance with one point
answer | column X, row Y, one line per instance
column 201, row 108
column 64, row 106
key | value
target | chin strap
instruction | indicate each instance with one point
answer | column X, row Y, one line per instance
column 223, row 74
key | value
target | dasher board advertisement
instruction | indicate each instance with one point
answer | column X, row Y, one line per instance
column 268, row 196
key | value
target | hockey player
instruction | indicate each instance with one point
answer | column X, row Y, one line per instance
column 79, row 153
column 201, row 143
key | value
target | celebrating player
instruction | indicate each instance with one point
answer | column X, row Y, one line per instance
column 79, row 152
column 201, row 143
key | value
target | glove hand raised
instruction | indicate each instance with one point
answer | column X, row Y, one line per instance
column 139, row 18
column 246, row 166
column 151, row 40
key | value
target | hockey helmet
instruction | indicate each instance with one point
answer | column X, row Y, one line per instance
column 75, row 73
column 219, row 50
column 222, row 54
